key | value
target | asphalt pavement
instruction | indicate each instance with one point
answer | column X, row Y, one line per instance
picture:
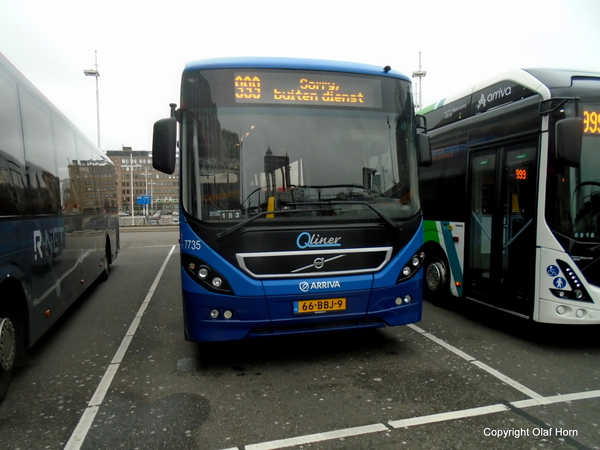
column 116, row 372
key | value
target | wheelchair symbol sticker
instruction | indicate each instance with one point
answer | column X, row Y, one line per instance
column 552, row 271
column 560, row 282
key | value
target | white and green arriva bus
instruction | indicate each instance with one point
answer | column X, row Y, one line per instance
column 512, row 198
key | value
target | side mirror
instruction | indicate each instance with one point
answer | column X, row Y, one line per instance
column 421, row 121
column 569, row 134
column 164, row 144
column 424, row 148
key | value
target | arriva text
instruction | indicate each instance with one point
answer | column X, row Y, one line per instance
column 47, row 242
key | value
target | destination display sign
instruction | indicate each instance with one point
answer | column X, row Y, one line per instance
column 591, row 121
column 306, row 88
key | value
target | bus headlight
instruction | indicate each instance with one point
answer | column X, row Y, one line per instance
column 412, row 267
column 578, row 291
column 205, row 275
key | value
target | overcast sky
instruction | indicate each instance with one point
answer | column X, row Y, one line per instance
column 143, row 45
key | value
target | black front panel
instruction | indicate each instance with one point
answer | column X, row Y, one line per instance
column 269, row 250
column 586, row 256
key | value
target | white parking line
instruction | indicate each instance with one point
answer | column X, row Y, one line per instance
column 534, row 400
column 451, row 415
column 89, row 414
column 414, row 421
column 512, row 383
column 318, row 437
column 442, row 343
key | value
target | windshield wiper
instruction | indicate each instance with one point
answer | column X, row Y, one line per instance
column 233, row 229
column 242, row 224
column 387, row 220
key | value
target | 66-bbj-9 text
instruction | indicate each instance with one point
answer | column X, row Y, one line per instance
column 309, row 306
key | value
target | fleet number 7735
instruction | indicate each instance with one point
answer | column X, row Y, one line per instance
column 192, row 244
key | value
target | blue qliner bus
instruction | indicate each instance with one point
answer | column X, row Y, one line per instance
column 299, row 196
column 58, row 226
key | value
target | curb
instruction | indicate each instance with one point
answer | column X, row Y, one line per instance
column 147, row 228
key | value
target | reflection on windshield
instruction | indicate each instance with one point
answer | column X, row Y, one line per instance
column 586, row 204
column 577, row 207
column 239, row 161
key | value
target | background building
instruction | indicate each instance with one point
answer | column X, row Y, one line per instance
column 137, row 177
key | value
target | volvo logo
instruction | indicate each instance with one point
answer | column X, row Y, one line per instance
column 318, row 263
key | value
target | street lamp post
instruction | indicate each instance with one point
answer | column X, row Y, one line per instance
column 96, row 74
column 145, row 175
column 131, row 166
column 419, row 74
column 152, row 183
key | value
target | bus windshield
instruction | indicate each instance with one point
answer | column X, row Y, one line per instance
column 580, row 192
column 246, row 154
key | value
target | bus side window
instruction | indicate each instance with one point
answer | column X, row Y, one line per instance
column 8, row 200
column 18, row 184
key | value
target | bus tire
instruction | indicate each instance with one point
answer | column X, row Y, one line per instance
column 437, row 277
column 13, row 332
column 107, row 261
column 8, row 346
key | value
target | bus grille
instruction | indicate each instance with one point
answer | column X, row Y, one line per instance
column 314, row 263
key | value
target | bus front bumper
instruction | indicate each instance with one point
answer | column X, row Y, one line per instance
column 238, row 318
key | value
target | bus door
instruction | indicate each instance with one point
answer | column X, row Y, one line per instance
column 500, row 259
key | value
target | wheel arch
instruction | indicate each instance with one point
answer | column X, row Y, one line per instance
column 14, row 304
column 434, row 255
column 108, row 248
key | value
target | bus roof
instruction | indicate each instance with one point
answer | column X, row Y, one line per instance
column 540, row 81
column 19, row 78
column 500, row 90
column 252, row 62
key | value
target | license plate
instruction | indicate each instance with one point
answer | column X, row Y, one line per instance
column 319, row 306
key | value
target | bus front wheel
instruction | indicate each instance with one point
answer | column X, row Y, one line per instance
column 8, row 345
column 106, row 262
column 436, row 279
